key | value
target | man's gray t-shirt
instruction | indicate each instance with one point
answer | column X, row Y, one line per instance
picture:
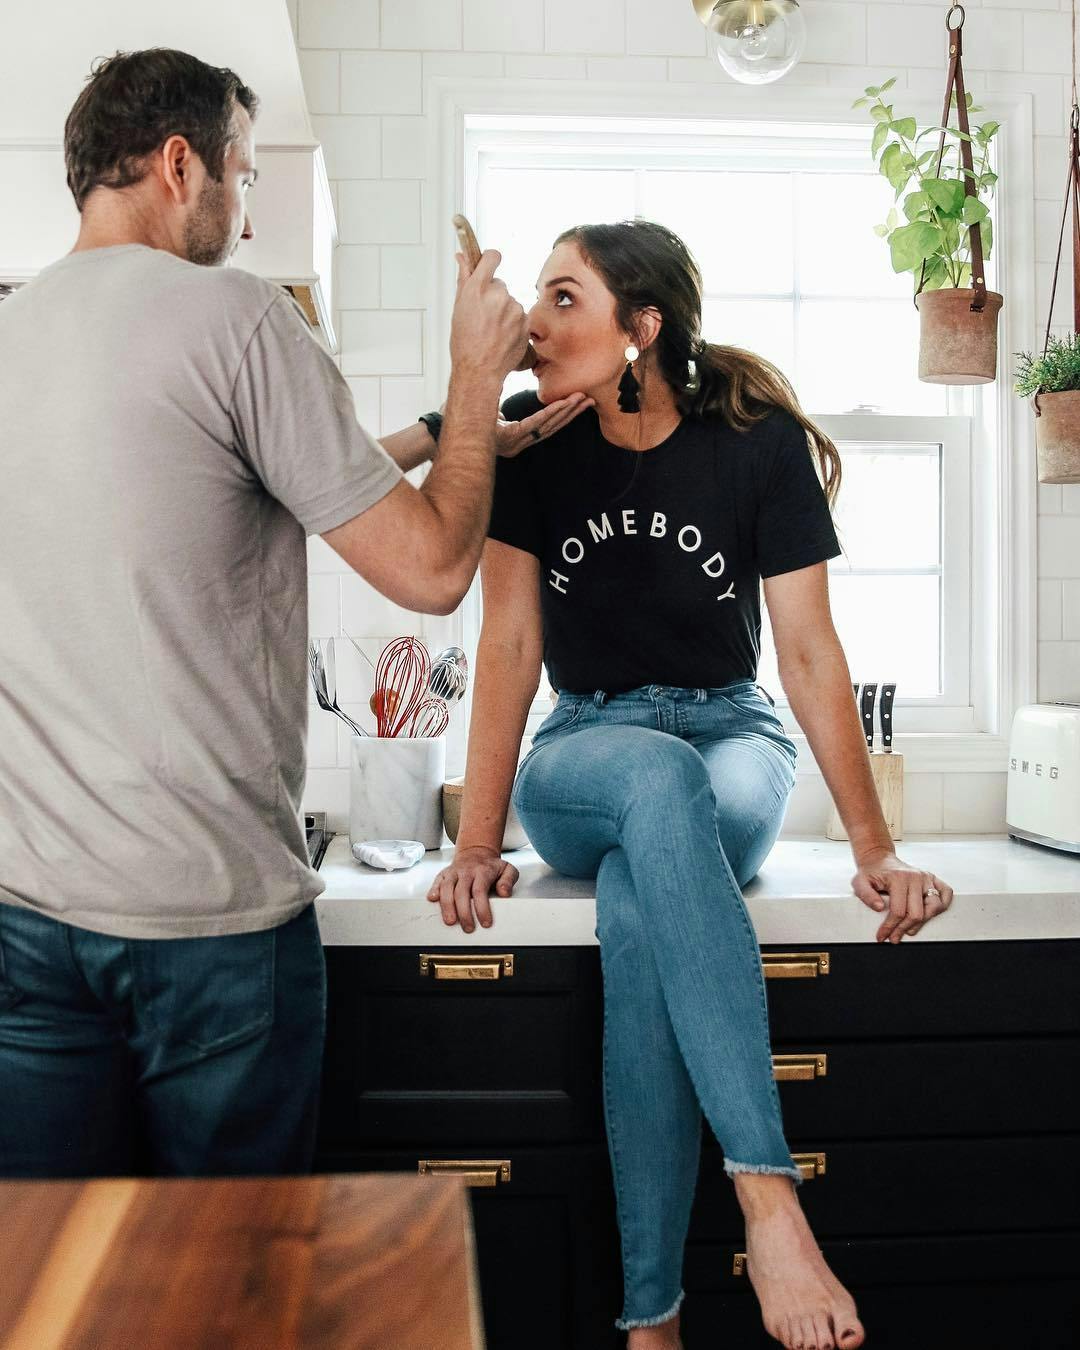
column 168, row 435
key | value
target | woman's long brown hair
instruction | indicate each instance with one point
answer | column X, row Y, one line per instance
column 647, row 266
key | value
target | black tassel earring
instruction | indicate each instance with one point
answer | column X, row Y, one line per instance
column 628, row 385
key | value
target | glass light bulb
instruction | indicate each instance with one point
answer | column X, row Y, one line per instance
column 756, row 41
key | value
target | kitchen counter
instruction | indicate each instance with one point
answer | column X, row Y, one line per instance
column 1005, row 889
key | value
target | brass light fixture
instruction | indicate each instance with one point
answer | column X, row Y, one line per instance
column 755, row 41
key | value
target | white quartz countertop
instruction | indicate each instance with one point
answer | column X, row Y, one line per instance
column 1005, row 889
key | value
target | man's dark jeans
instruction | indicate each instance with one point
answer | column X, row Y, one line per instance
column 167, row 1057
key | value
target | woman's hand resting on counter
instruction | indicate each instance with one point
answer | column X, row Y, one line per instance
column 465, row 885
column 884, row 882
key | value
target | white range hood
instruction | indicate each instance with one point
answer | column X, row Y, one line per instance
column 50, row 46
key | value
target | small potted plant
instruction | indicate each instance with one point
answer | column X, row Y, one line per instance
column 929, row 232
column 1052, row 382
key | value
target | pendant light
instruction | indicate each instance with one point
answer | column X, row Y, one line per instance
column 755, row 41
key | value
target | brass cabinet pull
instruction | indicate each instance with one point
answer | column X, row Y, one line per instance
column 811, row 1165
column 794, row 965
column 798, row 1068
column 478, row 1172
column 738, row 1266
column 463, row 966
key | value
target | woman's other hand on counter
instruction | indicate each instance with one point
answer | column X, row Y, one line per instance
column 464, row 886
column 885, row 883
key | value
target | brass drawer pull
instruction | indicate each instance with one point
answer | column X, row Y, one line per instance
column 811, row 1165
column 798, row 1068
column 738, row 1266
column 479, row 1172
column 462, row 966
column 794, row 965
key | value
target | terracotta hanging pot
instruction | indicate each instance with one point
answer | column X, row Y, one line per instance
column 957, row 344
column 1057, row 436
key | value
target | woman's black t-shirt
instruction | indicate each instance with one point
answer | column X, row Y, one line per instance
column 651, row 561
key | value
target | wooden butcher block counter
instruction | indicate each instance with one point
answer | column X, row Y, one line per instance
column 350, row 1262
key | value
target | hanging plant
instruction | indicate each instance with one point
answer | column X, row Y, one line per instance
column 940, row 229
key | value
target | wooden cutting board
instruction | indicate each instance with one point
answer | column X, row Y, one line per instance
column 362, row 1262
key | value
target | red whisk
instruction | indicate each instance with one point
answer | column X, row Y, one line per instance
column 431, row 719
column 401, row 681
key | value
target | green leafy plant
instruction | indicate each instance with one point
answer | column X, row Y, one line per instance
column 934, row 218
column 1054, row 373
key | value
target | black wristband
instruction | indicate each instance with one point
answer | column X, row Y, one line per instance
column 433, row 421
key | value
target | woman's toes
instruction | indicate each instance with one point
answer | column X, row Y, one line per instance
column 851, row 1337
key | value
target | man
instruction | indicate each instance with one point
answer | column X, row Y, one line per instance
column 171, row 431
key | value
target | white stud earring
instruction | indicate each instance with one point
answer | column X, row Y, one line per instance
column 631, row 353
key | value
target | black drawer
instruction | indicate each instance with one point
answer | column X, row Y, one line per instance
column 1000, row 1292
column 411, row 1056
column 546, row 1241
column 900, row 1187
column 915, row 1089
column 917, row 988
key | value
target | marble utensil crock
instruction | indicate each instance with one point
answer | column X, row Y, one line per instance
column 395, row 788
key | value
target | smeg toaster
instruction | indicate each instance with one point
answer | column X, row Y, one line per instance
column 1042, row 802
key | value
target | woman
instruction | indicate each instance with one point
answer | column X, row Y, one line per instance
column 627, row 553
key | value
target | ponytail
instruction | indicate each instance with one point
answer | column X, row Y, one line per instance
column 742, row 388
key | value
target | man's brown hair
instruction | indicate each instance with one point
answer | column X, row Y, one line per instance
column 134, row 101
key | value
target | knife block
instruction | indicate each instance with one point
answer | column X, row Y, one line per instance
column 888, row 771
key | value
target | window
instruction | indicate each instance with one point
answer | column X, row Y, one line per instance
column 780, row 217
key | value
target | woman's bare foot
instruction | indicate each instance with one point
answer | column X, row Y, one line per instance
column 663, row 1337
column 803, row 1304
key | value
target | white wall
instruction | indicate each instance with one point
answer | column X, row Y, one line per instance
column 364, row 66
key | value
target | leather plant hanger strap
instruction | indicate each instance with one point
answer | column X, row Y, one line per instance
column 1072, row 193
column 955, row 78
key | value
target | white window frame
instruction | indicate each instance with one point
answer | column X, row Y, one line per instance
column 1002, row 496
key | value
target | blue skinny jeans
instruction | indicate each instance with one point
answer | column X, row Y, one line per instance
column 671, row 798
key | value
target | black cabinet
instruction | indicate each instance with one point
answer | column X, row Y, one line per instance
column 933, row 1092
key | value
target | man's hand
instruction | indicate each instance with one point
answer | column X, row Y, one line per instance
column 512, row 437
column 488, row 331
column 885, row 883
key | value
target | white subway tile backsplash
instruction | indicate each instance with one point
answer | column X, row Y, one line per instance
column 974, row 803
column 373, row 212
column 1049, row 499
column 495, row 26
column 350, row 146
column 322, row 739
column 923, row 802
column 663, row 28
column 627, row 69
column 1046, row 93
column 524, row 66
column 381, row 342
column 1046, row 43
column 464, row 65
column 324, row 605
column 405, row 282
column 808, row 808
column 599, row 26
column 404, row 147
column 991, row 42
column 1059, row 671
column 365, row 613
column 1070, row 610
column 366, row 395
column 404, row 398
column 1059, row 546
column 380, row 82
column 1070, row 498
column 321, row 75
column 836, row 33
column 339, row 23
column 1049, row 624
column 328, row 790
column 321, row 558
column 413, row 24
column 356, row 272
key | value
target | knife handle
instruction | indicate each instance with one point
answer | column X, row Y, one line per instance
column 888, row 696
column 869, row 694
